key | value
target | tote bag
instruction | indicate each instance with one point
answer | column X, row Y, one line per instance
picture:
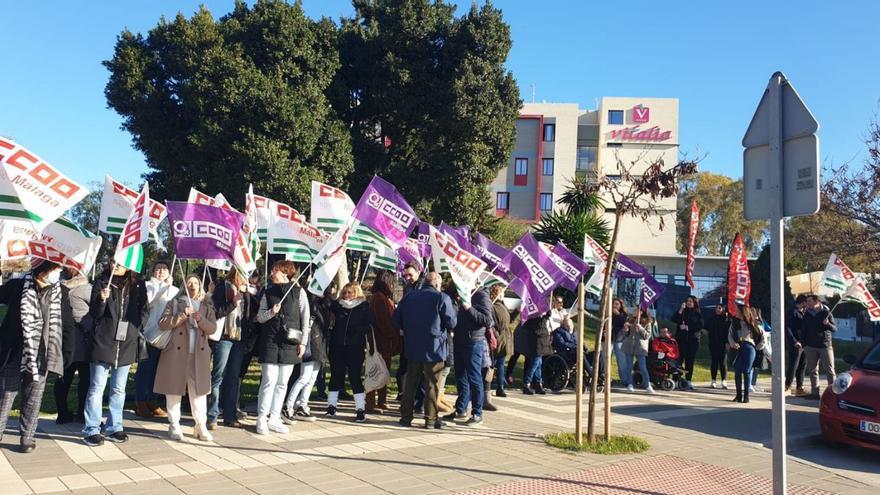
column 377, row 374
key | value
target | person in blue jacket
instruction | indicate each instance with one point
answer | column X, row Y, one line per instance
column 425, row 318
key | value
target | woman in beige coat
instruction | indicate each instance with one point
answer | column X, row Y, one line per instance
column 185, row 363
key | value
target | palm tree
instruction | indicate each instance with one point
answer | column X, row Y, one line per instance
column 582, row 215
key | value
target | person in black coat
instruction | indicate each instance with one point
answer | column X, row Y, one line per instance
column 469, row 344
column 348, row 341
column 718, row 326
column 690, row 325
column 119, row 310
column 538, row 344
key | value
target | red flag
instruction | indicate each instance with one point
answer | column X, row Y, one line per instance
column 739, row 282
column 695, row 223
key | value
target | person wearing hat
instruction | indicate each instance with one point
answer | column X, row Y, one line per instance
column 35, row 340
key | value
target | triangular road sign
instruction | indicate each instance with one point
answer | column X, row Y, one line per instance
column 797, row 120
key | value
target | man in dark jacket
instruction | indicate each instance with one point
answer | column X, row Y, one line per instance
column 795, row 362
column 469, row 338
column 817, row 328
column 425, row 318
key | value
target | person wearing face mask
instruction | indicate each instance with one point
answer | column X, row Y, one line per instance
column 34, row 341
column 160, row 291
column 119, row 308
column 348, row 340
column 284, row 318
column 78, row 292
column 185, row 363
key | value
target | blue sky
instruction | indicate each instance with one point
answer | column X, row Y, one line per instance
column 716, row 57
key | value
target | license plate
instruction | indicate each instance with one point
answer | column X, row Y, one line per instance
column 870, row 427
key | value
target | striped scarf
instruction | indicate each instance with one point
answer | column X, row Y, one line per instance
column 32, row 329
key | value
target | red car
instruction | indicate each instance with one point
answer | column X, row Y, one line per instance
column 850, row 410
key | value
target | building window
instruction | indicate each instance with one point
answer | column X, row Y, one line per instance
column 586, row 158
column 502, row 203
column 615, row 117
column 546, row 201
column 521, row 172
column 547, row 168
column 550, row 132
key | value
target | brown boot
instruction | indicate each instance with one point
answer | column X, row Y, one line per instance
column 383, row 399
column 143, row 410
column 371, row 404
column 156, row 410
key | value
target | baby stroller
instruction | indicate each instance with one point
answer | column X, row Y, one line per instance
column 560, row 368
column 663, row 366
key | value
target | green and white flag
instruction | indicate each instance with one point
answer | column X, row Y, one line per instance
column 386, row 259
column 333, row 207
column 61, row 242
column 597, row 279
column 836, row 278
column 330, row 259
column 129, row 250
column 116, row 204
column 464, row 267
column 31, row 189
column 291, row 235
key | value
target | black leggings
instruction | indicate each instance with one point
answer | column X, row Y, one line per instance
column 719, row 360
column 346, row 359
column 689, row 355
column 63, row 384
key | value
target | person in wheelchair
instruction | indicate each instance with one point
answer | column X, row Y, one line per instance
column 559, row 368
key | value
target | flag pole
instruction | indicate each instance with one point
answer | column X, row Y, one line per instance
column 183, row 283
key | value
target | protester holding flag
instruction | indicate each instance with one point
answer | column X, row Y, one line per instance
column 119, row 308
column 229, row 298
column 242, row 349
column 619, row 316
column 745, row 337
column 469, row 342
column 353, row 319
column 538, row 344
column 795, row 362
column 284, row 332
column 690, row 328
column 817, row 331
column 718, row 327
column 501, row 317
column 387, row 338
column 296, row 407
column 160, row 291
column 78, row 292
column 185, row 363
column 636, row 334
column 34, row 341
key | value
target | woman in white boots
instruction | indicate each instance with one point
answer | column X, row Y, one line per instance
column 353, row 319
column 185, row 363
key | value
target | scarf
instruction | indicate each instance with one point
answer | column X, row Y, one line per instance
column 32, row 329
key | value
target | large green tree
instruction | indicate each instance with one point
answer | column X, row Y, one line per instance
column 218, row 104
column 428, row 101
column 720, row 201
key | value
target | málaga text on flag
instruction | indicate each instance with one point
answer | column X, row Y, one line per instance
column 692, row 237
column 203, row 232
column 31, row 189
column 60, row 242
column 291, row 235
column 129, row 250
column 116, row 204
column 464, row 267
column 384, row 209
column 739, row 281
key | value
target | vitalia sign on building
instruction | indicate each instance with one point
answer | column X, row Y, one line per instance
column 627, row 120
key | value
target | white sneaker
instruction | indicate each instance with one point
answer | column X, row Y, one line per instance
column 630, row 388
column 752, row 388
column 277, row 426
column 202, row 433
column 724, row 384
column 712, row 385
column 757, row 389
column 262, row 426
column 174, row 432
column 650, row 389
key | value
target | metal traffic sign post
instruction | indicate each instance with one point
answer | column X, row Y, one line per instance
column 781, row 179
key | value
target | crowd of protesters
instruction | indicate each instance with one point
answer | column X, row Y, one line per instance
column 199, row 341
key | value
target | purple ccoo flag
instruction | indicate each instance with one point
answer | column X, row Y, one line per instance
column 531, row 264
column 203, row 232
column 492, row 254
column 571, row 265
column 384, row 209
column 651, row 291
column 625, row 267
column 424, row 239
column 409, row 252
column 533, row 305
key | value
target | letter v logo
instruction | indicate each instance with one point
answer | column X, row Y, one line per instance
column 641, row 114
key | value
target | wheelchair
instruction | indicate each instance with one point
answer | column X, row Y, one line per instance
column 560, row 370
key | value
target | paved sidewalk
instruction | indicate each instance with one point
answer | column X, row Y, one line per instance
column 698, row 439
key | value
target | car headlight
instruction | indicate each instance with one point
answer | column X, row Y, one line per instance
column 841, row 383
